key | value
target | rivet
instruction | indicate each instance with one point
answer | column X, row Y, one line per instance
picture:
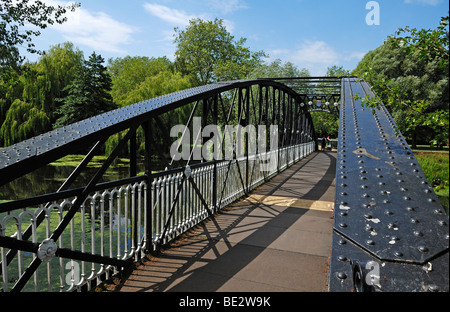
column 342, row 258
column 341, row 275
column 342, row 242
column 398, row 254
column 370, row 242
column 423, row 249
column 368, row 228
column 417, row 233
column 433, row 288
column 343, row 225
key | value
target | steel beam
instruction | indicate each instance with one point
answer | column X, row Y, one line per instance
column 386, row 212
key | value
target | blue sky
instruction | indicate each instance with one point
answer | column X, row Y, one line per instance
column 313, row 34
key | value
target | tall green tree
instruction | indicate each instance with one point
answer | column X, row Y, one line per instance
column 276, row 69
column 409, row 74
column 209, row 53
column 129, row 73
column 27, row 99
column 88, row 95
column 15, row 15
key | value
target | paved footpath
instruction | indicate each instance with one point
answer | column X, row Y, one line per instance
column 276, row 240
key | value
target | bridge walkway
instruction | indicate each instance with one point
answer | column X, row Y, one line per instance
column 278, row 239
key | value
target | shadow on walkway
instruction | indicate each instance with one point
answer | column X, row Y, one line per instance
column 277, row 239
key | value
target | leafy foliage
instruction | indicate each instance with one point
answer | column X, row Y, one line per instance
column 88, row 94
column 16, row 14
column 410, row 76
column 34, row 91
column 208, row 52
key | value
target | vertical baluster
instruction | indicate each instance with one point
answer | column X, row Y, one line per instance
column 133, row 222
column 19, row 252
column 34, row 240
column 146, row 239
column 119, row 222
column 179, row 207
column 153, row 229
column 83, row 241
column 125, row 214
column 171, row 201
column 139, row 221
column 92, row 237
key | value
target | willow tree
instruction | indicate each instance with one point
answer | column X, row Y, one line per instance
column 28, row 100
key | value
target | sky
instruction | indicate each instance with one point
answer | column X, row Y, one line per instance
column 312, row 34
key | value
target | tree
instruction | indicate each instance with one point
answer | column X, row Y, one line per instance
column 27, row 99
column 409, row 74
column 209, row 53
column 129, row 73
column 276, row 69
column 16, row 14
column 88, row 94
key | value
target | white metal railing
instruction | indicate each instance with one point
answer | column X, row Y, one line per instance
column 112, row 222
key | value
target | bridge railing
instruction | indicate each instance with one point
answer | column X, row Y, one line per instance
column 112, row 222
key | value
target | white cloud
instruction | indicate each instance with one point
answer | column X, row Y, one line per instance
column 316, row 56
column 427, row 2
column 173, row 16
column 228, row 6
column 97, row 30
column 181, row 19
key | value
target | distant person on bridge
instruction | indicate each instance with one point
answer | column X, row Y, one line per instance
column 324, row 143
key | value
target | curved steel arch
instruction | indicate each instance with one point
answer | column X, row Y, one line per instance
column 26, row 156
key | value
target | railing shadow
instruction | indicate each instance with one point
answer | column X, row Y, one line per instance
column 213, row 252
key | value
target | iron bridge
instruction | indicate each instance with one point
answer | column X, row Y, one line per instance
column 390, row 231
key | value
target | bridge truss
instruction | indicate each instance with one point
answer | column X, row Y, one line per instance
column 104, row 226
column 386, row 213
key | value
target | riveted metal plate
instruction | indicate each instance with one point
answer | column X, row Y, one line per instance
column 383, row 202
column 391, row 276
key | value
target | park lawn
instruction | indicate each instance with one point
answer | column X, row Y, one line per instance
column 435, row 166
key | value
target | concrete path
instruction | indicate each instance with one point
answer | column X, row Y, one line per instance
column 276, row 240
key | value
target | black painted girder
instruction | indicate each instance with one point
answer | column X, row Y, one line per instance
column 384, row 204
column 26, row 156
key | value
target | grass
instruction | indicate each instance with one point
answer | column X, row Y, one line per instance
column 96, row 162
column 436, row 169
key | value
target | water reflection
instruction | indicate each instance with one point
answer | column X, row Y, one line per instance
column 49, row 178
